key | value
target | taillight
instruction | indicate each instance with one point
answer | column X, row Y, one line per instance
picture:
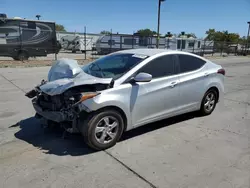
column 221, row 71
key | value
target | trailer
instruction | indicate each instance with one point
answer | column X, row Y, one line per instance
column 22, row 38
column 76, row 43
column 115, row 42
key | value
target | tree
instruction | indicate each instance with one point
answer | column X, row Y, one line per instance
column 225, row 36
column 169, row 34
column 104, row 32
column 146, row 32
column 187, row 35
column 60, row 27
column 38, row 16
column 243, row 40
column 210, row 34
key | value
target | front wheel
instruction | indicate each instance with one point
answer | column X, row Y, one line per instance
column 209, row 101
column 103, row 129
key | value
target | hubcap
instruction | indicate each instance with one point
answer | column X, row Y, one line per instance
column 106, row 129
column 209, row 102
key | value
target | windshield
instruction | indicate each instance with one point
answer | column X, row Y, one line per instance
column 113, row 66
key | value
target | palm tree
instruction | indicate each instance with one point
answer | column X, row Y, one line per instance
column 38, row 16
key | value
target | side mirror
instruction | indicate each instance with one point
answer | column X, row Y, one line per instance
column 142, row 77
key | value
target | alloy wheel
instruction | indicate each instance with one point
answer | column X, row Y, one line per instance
column 106, row 129
column 209, row 102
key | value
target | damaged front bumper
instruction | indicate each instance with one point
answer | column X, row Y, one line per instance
column 64, row 115
column 55, row 116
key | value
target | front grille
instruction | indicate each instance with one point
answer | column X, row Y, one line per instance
column 46, row 102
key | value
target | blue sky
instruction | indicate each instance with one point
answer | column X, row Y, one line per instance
column 126, row 16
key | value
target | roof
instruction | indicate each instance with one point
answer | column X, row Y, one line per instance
column 22, row 19
column 66, row 32
column 152, row 52
column 146, row 51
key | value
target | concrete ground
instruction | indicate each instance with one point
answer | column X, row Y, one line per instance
column 185, row 151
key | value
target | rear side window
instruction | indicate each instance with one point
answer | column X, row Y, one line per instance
column 189, row 63
column 160, row 67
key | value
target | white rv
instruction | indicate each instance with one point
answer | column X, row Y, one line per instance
column 115, row 42
column 76, row 43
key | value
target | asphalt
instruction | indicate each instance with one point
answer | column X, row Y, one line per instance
column 185, row 151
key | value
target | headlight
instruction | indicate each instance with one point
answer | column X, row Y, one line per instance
column 86, row 96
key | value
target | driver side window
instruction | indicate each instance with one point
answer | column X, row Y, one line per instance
column 160, row 67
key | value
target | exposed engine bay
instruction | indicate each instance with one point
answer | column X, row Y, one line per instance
column 60, row 98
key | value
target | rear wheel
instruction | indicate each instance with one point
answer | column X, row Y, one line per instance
column 22, row 55
column 209, row 101
column 103, row 129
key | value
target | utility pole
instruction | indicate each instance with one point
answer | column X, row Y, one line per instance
column 158, row 24
column 38, row 16
column 248, row 37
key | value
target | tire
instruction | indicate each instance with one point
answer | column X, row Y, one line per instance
column 22, row 55
column 73, row 51
column 208, row 106
column 83, row 51
column 97, row 133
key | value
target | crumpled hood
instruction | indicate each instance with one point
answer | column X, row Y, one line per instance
column 65, row 79
column 64, row 68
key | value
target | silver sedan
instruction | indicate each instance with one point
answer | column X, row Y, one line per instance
column 128, row 89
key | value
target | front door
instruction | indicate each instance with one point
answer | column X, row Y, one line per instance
column 158, row 98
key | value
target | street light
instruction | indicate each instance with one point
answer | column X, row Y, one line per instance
column 38, row 16
column 158, row 25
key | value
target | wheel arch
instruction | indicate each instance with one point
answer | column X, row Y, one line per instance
column 123, row 114
column 110, row 107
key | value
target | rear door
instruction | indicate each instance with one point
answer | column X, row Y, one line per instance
column 192, row 79
column 158, row 98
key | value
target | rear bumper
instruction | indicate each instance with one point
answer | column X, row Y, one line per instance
column 50, row 115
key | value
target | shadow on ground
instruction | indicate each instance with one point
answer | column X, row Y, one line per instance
column 51, row 141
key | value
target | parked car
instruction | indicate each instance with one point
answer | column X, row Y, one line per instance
column 125, row 90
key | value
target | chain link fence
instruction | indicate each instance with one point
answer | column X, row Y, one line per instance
column 114, row 42
column 44, row 43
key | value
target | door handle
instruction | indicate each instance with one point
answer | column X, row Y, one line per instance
column 173, row 84
column 206, row 74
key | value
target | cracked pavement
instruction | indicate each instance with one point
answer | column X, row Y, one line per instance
column 185, row 151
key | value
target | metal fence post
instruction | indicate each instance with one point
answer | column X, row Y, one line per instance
column 221, row 50
column 168, row 43
column 111, row 42
column 236, row 48
column 213, row 49
column 203, row 53
column 193, row 46
column 133, row 41
column 181, row 44
column 120, row 42
column 85, row 52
